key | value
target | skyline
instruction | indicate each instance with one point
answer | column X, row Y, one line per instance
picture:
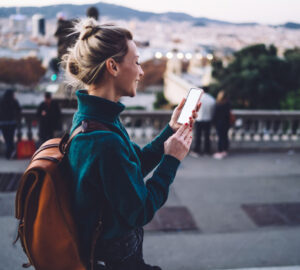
column 279, row 11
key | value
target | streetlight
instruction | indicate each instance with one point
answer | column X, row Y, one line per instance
column 210, row 56
column 180, row 55
column 188, row 56
column 158, row 55
column 169, row 55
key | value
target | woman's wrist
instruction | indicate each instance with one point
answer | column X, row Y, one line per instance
column 172, row 126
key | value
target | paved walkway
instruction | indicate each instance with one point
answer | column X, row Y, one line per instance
column 215, row 193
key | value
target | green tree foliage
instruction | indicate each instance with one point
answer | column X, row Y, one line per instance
column 257, row 78
column 292, row 101
column 160, row 100
column 293, row 59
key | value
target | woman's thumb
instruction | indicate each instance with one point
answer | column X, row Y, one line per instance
column 181, row 104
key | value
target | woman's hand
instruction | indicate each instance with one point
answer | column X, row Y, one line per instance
column 178, row 145
column 173, row 122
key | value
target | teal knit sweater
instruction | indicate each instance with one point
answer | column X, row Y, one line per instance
column 107, row 161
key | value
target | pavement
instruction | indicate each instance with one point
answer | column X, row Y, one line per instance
column 216, row 193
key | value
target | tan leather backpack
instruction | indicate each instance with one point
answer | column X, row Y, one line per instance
column 47, row 229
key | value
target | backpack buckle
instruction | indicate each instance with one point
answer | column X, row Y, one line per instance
column 84, row 125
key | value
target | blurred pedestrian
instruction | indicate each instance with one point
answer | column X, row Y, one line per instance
column 222, row 123
column 203, row 125
column 93, row 12
column 10, row 113
column 49, row 116
column 65, row 30
column 64, row 34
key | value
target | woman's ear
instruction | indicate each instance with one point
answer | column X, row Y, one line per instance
column 112, row 67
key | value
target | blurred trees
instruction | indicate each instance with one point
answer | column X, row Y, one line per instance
column 153, row 73
column 26, row 71
column 258, row 79
column 160, row 101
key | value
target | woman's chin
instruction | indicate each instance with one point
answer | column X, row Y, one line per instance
column 130, row 94
column 133, row 93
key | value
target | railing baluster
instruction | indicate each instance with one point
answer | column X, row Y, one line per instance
column 29, row 128
column 133, row 123
column 19, row 130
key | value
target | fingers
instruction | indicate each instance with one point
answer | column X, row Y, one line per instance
column 191, row 121
column 181, row 129
column 188, row 135
column 194, row 114
column 177, row 111
column 187, row 132
column 189, row 141
column 198, row 106
column 179, row 107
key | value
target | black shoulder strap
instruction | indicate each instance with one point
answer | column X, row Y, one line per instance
column 85, row 127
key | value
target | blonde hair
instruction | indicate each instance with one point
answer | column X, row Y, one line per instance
column 221, row 97
column 96, row 43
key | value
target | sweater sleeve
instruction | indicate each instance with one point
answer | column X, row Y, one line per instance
column 151, row 154
column 124, row 187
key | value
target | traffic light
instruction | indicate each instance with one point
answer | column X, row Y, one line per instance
column 53, row 77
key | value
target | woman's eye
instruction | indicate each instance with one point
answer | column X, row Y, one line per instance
column 138, row 63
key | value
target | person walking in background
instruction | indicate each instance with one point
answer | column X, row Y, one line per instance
column 49, row 116
column 10, row 113
column 203, row 125
column 93, row 12
column 64, row 31
column 221, row 120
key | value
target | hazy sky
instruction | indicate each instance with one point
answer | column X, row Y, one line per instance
column 263, row 11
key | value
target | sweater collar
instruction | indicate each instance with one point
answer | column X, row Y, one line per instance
column 97, row 107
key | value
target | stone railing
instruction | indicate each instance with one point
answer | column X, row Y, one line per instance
column 265, row 129
column 252, row 129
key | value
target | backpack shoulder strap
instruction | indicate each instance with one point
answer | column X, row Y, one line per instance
column 85, row 127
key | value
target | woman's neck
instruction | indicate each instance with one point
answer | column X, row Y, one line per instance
column 106, row 91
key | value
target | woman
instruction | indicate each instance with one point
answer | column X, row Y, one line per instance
column 222, row 123
column 10, row 112
column 105, row 59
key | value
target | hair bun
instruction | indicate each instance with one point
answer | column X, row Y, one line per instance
column 88, row 28
column 73, row 68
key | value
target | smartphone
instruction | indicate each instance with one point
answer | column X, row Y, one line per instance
column 190, row 104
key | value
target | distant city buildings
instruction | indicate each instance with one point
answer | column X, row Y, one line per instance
column 17, row 23
column 22, row 36
column 160, row 37
column 38, row 25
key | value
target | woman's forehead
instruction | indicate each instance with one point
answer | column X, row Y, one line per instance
column 132, row 49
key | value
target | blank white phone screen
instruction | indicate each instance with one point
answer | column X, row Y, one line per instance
column 189, row 105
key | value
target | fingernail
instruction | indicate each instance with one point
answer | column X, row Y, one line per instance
column 193, row 111
column 186, row 124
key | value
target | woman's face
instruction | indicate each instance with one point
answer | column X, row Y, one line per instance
column 130, row 72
